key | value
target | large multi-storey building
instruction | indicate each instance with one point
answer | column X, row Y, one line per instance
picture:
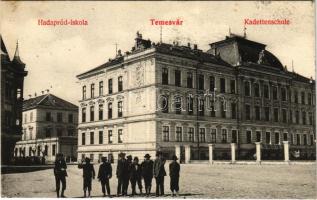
column 179, row 98
column 49, row 127
column 12, row 79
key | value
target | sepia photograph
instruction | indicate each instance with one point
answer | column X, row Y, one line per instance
column 158, row 99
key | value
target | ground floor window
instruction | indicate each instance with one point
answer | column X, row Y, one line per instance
column 166, row 133
column 224, row 136
column 191, row 134
column 179, row 134
column 213, row 135
column 54, row 149
column 202, row 135
column 277, row 138
column 249, row 137
column 268, row 138
column 234, row 136
column 258, row 136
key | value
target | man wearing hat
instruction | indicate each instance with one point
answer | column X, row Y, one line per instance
column 159, row 173
column 88, row 175
column 60, row 174
column 135, row 175
column 104, row 174
column 122, row 173
column 174, row 169
column 147, row 173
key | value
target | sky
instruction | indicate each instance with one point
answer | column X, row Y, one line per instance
column 55, row 55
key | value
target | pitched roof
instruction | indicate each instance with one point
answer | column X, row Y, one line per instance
column 48, row 101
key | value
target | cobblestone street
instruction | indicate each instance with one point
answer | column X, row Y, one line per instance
column 197, row 181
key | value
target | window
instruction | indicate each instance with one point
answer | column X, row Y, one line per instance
column 212, row 108
column 233, row 110
column 70, row 132
column 277, row 138
column 120, row 84
column 232, row 86
column 249, row 136
column 257, row 113
column 100, row 137
column 120, row 139
column 48, row 116
column 256, row 90
column 247, row 112
column 179, row 134
column 100, row 113
column 109, row 110
column 304, row 117
column 202, row 135
column 213, row 134
column 47, row 132
column 310, row 116
column 234, row 136
column 110, row 86
column 83, row 138
column 189, row 80
column 212, row 84
column 201, row 110
column 201, row 82
column 298, row 139
column 224, row 136
column 303, row 97
column 110, row 136
column 120, row 109
column 311, row 140
column 25, row 118
column 178, row 105
column 31, row 117
column 274, row 92
column 285, row 137
column 84, row 92
column 295, row 96
column 92, row 137
column 222, row 85
column 291, row 116
column 166, row 134
column 297, row 117
column 59, row 117
column 292, row 139
column 92, row 113
column 305, row 139
column 275, row 111
column 258, row 136
column 247, row 88
column 266, row 91
column 223, row 109
column 283, row 93
column 178, row 78
column 91, row 156
column 92, row 90
column 267, row 113
column 83, row 115
column 70, row 118
column 284, row 116
column 191, row 134
column 59, row 132
column 309, row 99
column 164, row 104
column 165, row 76
column 190, row 105
column 100, row 88
column 54, row 149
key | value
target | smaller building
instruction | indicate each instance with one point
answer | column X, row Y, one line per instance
column 49, row 127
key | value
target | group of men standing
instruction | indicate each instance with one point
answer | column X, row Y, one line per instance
column 128, row 170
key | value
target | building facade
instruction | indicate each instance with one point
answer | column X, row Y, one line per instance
column 12, row 81
column 178, row 99
column 49, row 127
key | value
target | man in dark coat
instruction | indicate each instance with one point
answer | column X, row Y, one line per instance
column 122, row 173
column 135, row 175
column 147, row 173
column 60, row 174
column 104, row 174
column 174, row 169
column 159, row 173
column 88, row 175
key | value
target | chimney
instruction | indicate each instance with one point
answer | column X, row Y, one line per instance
column 195, row 46
column 35, row 94
column 188, row 45
column 42, row 92
column 119, row 53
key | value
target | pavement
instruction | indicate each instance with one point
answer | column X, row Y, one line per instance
column 196, row 181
